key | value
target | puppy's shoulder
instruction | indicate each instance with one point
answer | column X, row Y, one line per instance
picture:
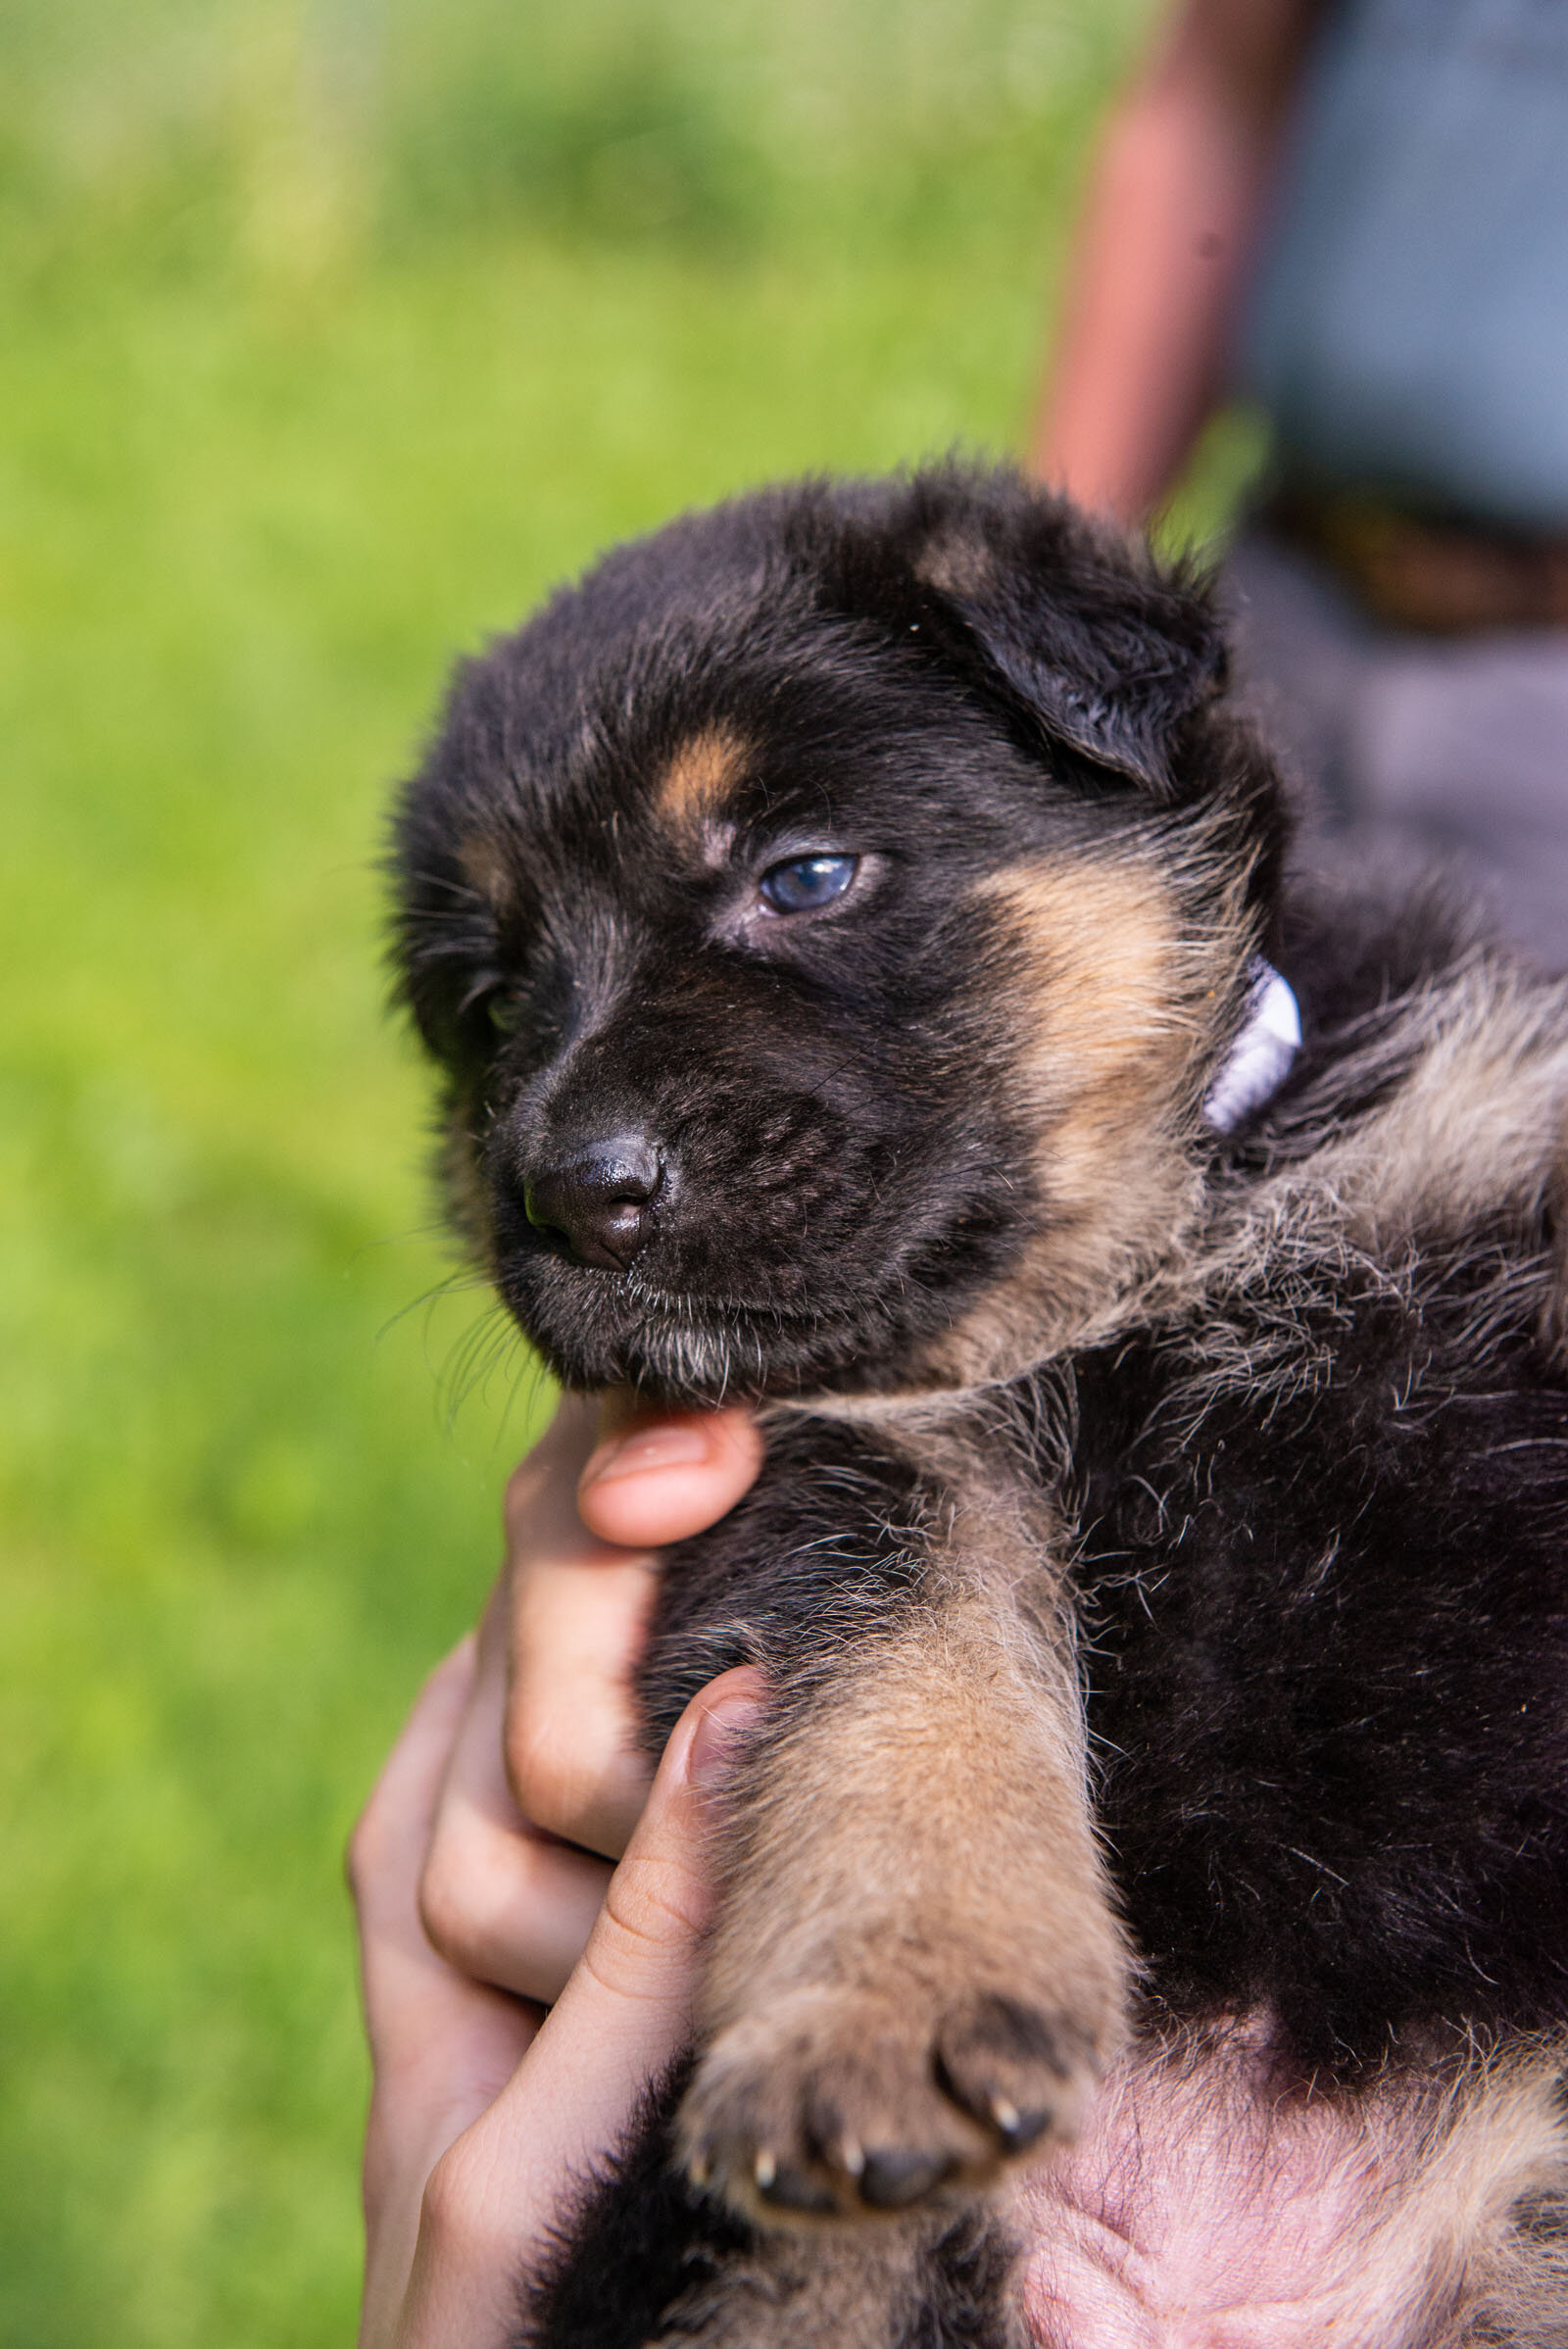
column 1427, row 1113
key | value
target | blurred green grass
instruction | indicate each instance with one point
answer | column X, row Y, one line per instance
column 334, row 333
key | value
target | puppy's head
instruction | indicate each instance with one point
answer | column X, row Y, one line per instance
column 827, row 918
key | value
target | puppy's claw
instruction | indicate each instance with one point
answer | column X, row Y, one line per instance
column 1017, row 2130
column 764, row 2169
column 790, row 2189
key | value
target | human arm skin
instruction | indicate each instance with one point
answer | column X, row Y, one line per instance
column 1172, row 216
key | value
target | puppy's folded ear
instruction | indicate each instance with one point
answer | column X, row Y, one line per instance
column 1077, row 629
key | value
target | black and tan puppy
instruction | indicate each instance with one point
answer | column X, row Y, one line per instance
column 840, row 921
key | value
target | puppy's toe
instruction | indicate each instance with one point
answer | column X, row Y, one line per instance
column 839, row 2105
column 1023, row 2074
column 825, row 2109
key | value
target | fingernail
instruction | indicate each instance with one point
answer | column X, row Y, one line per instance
column 718, row 1738
column 673, row 1446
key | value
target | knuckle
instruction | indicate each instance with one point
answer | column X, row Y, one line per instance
column 652, row 1907
column 552, row 1784
column 362, row 1853
column 450, row 1909
column 519, row 1500
column 454, row 2209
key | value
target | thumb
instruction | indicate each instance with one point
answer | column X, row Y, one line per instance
column 626, row 2013
column 633, row 1988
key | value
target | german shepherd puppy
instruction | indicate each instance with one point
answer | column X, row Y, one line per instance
column 845, row 924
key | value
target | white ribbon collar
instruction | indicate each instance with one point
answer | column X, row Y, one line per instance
column 1260, row 1059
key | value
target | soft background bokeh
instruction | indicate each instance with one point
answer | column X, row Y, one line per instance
column 331, row 334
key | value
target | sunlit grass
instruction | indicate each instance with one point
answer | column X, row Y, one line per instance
column 240, row 539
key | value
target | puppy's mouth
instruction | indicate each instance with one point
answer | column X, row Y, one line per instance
column 599, row 1328
column 756, row 1282
column 682, row 1304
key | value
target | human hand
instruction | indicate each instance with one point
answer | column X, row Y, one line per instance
column 509, row 1904
column 483, row 2114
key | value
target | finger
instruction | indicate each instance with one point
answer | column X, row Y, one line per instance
column 414, row 2000
column 441, row 2046
column 581, row 1604
column 507, row 1907
column 626, row 2011
column 501, row 1903
column 579, row 1610
column 660, row 1476
column 386, row 1849
column 571, row 1748
column 629, row 2001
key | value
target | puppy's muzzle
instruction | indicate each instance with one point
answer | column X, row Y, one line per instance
column 595, row 1205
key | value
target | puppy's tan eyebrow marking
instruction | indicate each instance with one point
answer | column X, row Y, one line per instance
column 700, row 777
column 484, row 865
column 955, row 564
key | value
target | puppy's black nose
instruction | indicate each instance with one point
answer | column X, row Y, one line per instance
column 595, row 1205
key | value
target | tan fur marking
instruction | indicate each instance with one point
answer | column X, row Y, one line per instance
column 1114, row 993
column 1475, row 1132
column 484, row 864
column 1497, row 2147
column 1478, row 1124
column 920, row 1841
column 957, row 565
column 701, row 776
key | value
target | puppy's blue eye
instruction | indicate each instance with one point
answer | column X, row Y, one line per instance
column 806, row 882
column 505, row 1011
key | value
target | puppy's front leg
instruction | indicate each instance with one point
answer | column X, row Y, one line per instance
column 917, row 1971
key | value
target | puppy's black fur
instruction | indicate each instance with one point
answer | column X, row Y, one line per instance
column 1218, row 1480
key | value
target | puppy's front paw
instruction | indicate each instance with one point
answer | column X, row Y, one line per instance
column 839, row 2103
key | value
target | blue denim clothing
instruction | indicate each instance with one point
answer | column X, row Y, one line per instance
column 1409, row 330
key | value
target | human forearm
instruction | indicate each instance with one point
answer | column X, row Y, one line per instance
column 1164, row 252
